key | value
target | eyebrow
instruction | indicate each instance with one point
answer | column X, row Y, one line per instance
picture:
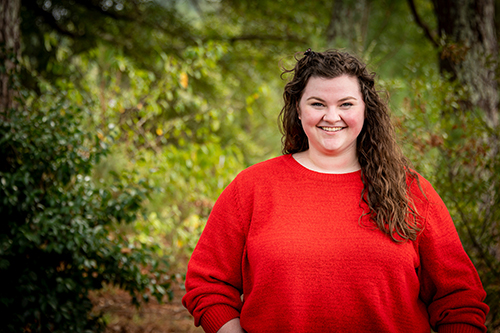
column 340, row 100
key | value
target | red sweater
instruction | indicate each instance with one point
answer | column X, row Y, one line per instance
column 285, row 251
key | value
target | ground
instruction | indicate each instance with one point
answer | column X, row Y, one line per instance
column 123, row 317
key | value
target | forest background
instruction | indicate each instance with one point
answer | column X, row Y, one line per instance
column 122, row 121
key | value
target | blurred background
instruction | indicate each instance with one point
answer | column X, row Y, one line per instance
column 121, row 122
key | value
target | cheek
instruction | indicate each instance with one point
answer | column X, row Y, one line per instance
column 311, row 118
column 353, row 120
column 357, row 119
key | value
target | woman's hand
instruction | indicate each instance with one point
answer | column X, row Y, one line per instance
column 232, row 326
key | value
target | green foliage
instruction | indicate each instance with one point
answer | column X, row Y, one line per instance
column 180, row 130
column 55, row 239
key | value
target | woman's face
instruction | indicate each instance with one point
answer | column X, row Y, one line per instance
column 332, row 113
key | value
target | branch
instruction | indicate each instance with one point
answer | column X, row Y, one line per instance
column 427, row 31
column 287, row 38
column 97, row 9
column 483, row 254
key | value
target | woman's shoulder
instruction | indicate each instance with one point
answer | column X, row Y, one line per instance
column 258, row 178
column 422, row 191
column 260, row 175
column 418, row 182
column 267, row 168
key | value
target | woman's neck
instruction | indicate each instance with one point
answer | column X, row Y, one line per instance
column 326, row 164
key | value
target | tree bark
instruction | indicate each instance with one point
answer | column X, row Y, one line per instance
column 9, row 51
column 467, row 34
column 349, row 22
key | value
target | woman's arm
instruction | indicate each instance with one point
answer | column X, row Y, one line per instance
column 214, row 282
column 232, row 326
column 449, row 283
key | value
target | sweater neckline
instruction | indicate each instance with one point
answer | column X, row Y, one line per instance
column 297, row 167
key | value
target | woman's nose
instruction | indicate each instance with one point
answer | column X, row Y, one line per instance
column 331, row 115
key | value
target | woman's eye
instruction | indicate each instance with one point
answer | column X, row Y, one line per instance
column 317, row 104
column 346, row 105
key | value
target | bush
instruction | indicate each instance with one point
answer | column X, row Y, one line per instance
column 55, row 238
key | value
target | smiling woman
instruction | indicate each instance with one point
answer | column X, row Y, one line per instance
column 332, row 113
column 337, row 235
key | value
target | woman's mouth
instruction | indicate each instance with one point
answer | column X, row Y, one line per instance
column 331, row 129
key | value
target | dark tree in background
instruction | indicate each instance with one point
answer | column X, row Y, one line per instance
column 9, row 50
column 466, row 38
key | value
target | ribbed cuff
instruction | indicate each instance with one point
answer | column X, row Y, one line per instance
column 458, row 328
column 216, row 316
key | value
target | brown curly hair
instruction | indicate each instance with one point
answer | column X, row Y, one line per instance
column 385, row 171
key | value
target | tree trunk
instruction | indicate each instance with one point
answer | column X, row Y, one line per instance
column 466, row 30
column 349, row 24
column 9, row 51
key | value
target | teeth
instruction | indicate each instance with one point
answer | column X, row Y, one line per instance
column 331, row 129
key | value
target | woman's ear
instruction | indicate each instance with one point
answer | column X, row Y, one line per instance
column 298, row 109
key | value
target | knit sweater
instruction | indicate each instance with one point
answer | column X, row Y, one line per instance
column 284, row 250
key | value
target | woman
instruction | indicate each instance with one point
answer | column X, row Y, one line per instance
column 336, row 235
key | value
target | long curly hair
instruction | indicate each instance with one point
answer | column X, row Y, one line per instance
column 385, row 171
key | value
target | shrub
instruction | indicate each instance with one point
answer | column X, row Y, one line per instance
column 56, row 239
